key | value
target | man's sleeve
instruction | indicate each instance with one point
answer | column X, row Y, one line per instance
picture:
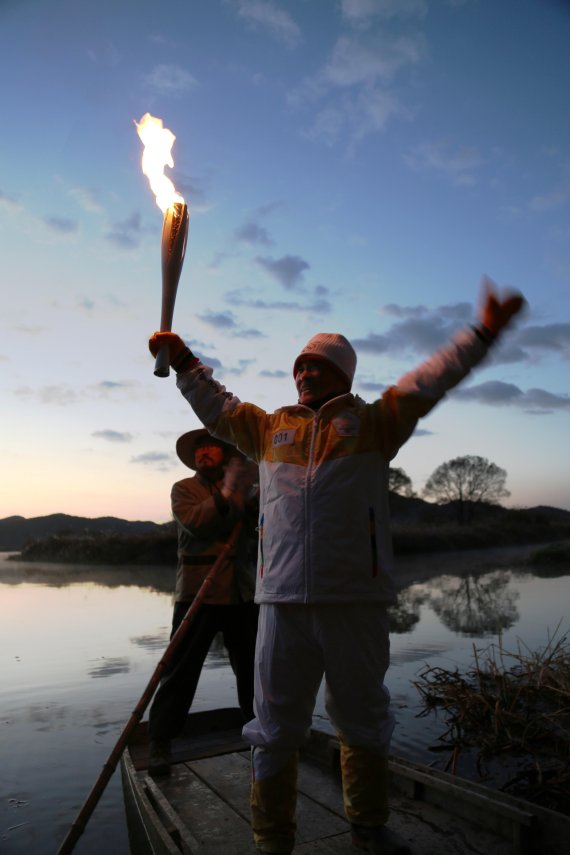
column 418, row 391
column 196, row 511
column 222, row 412
column 207, row 397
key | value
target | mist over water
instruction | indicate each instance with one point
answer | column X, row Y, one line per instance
column 79, row 644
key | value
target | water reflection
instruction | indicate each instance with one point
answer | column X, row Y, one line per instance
column 55, row 575
column 151, row 643
column 59, row 719
column 476, row 606
column 406, row 613
column 110, row 667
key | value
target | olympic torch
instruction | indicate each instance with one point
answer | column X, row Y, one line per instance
column 157, row 154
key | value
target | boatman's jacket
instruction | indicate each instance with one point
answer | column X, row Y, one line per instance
column 324, row 520
column 204, row 522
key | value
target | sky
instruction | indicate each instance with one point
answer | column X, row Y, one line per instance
column 352, row 166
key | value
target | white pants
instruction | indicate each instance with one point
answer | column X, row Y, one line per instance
column 298, row 644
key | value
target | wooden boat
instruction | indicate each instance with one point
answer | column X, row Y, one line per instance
column 202, row 808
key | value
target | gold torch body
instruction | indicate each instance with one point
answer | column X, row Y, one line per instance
column 173, row 248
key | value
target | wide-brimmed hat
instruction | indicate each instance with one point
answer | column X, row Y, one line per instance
column 187, row 444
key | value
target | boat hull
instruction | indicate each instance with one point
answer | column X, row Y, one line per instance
column 202, row 808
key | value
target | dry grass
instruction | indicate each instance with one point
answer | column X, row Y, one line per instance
column 512, row 708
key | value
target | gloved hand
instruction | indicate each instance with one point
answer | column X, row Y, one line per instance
column 496, row 312
column 233, row 475
column 180, row 356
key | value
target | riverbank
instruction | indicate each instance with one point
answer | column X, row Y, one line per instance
column 408, row 539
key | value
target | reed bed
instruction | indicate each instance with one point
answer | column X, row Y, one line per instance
column 510, row 715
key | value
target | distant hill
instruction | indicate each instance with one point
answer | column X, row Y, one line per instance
column 16, row 532
column 74, row 536
column 415, row 511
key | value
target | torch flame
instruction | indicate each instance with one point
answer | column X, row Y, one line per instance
column 157, row 154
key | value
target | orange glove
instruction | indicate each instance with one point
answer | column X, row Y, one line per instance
column 496, row 312
column 181, row 357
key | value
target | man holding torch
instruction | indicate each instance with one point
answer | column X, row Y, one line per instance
column 325, row 569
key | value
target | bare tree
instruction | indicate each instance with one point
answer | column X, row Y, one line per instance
column 399, row 482
column 467, row 480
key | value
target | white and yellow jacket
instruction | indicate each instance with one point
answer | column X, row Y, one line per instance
column 324, row 520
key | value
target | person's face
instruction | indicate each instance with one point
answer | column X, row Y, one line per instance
column 208, row 456
column 316, row 379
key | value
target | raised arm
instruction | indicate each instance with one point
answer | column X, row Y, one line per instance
column 419, row 390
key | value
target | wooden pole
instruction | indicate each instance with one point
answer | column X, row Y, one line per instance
column 78, row 826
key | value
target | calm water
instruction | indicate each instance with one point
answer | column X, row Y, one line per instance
column 78, row 647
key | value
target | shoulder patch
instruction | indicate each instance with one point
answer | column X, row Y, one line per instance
column 346, row 424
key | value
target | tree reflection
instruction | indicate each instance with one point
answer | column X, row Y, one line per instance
column 406, row 613
column 476, row 605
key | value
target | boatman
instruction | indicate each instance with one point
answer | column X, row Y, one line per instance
column 206, row 508
column 325, row 575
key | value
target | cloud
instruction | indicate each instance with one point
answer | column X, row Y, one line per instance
column 59, row 395
column 113, row 435
column 68, row 395
column 28, row 329
column 110, row 385
column 253, row 234
column 170, row 80
column 550, row 337
column 250, row 333
column 193, row 192
column 319, row 305
column 202, row 351
column 125, row 234
column 353, row 85
column 270, row 18
column 356, row 115
column 88, row 199
column 363, row 11
column 368, row 61
column 494, row 392
column 371, row 386
column 458, row 164
column 156, row 460
column 240, row 367
column 274, row 375
column 219, row 320
column 226, row 321
column 419, row 330
column 106, row 54
column 552, row 201
column 287, row 270
column 9, row 202
column 62, row 225
column 87, row 304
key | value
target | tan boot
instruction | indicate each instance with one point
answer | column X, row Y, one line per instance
column 273, row 803
column 364, row 784
column 365, row 795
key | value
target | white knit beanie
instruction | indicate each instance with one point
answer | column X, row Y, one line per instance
column 334, row 348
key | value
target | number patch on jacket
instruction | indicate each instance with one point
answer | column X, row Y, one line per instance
column 283, row 437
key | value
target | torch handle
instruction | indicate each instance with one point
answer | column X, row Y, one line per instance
column 162, row 362
column 173, row 248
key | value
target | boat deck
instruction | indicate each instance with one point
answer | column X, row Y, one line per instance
column 202, row 808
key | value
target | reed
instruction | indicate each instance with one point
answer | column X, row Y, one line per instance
column 509, row 710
